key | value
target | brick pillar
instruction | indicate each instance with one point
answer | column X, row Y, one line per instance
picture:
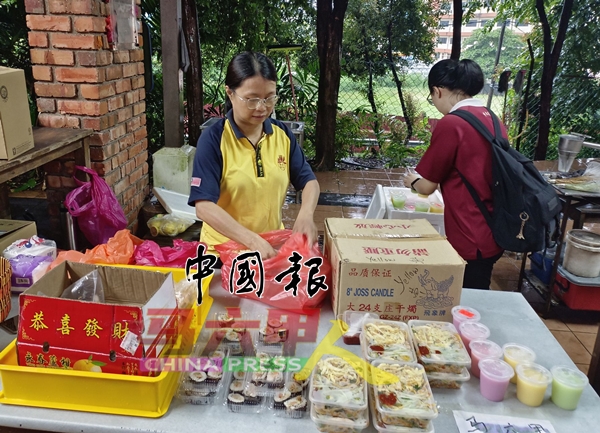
column 81, row 82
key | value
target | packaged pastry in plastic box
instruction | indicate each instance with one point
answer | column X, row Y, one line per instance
column 406, row 401
column 439, row 347
column 337, row 389
column 242, row 396
column 386, row 339
column 290, row 401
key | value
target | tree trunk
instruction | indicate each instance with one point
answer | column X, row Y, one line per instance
column 409, row 128
column 551, row 57
column 330, row 21
column 193, row 77
column 456, row 29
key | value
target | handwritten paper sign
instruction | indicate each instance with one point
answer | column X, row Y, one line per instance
column 470, row 422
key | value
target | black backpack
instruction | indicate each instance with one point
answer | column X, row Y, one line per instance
column 526, row 207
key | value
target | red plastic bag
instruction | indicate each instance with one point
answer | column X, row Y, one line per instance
column 286, row 243
column 150, row 254
column 97, row 210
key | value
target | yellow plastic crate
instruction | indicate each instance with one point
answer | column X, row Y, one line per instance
column 102, row 392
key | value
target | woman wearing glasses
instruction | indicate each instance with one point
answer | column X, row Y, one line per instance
column 245, row 162
column 457, row 147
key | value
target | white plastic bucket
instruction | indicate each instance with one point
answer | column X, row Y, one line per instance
column 582, row 253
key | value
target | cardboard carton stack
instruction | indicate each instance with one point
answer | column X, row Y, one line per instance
column 399, row 269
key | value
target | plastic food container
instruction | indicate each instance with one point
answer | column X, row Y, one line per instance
column 291, row 401
column 337, row 389
column 407, row 402
column 472, row 331
column 386, row 339
column 439, row 347
column 515, row 354
column 483, row 349
column 270, row 377
column 387, row 428
column 567, row 385
column 461, row 313
column 494, row 378
column 330, row 424
column 352, row 325
column 241, row 396
column 532, row 382
column 448, row 380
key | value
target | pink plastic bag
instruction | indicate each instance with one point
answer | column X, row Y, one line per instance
column 97, row 210
column 150, row 254
column 274, row 293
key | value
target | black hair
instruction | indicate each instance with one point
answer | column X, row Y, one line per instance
column 247, row 65
column 465, row 76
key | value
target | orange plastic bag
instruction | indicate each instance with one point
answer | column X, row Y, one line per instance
column 293, row 254
column 118, row 250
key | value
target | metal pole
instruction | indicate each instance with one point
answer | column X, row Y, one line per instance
column 498, row 51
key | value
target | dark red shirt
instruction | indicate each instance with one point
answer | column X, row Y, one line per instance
column 457, row 146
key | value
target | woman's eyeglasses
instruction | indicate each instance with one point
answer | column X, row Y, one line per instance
column 429, row 99
column 252, row 103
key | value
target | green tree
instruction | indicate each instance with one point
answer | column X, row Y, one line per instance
column 552, row 20
column 362, row 55
column 482, row 45
column 409, row 27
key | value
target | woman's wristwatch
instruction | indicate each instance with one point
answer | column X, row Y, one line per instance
column 412, row 184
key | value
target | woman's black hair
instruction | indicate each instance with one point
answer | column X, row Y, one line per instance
column 465, row 76
column 247, row 65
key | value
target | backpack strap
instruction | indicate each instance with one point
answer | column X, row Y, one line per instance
column 478, row 125
column 484, row 211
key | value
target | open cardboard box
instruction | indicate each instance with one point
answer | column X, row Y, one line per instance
column 137, row 319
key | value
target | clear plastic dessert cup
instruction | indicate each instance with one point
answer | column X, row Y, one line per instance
column 473, row 331
column 461, row 313
column 494, row 378
column 515, row 354
column 567, row 385
column 480, row 350
column 532, row 382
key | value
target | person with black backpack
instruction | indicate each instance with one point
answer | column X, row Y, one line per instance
column 457, row 151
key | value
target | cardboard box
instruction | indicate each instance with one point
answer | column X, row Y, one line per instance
column 16, row 136
column 13, row 230
column 137, row 319
column 354, row 228
column 436, row 219
column 397, row 278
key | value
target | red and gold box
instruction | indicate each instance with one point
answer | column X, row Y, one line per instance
column 137, row 319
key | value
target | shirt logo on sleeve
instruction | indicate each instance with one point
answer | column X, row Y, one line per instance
column 281, row 162
column 196, row 181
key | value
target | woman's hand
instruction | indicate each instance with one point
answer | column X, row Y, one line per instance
column 409, row 178
column 262, row 246
column 306, row 226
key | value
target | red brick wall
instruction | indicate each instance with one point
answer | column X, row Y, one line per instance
column 82, row 83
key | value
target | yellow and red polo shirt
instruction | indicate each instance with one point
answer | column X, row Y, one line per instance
column 248, row 181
